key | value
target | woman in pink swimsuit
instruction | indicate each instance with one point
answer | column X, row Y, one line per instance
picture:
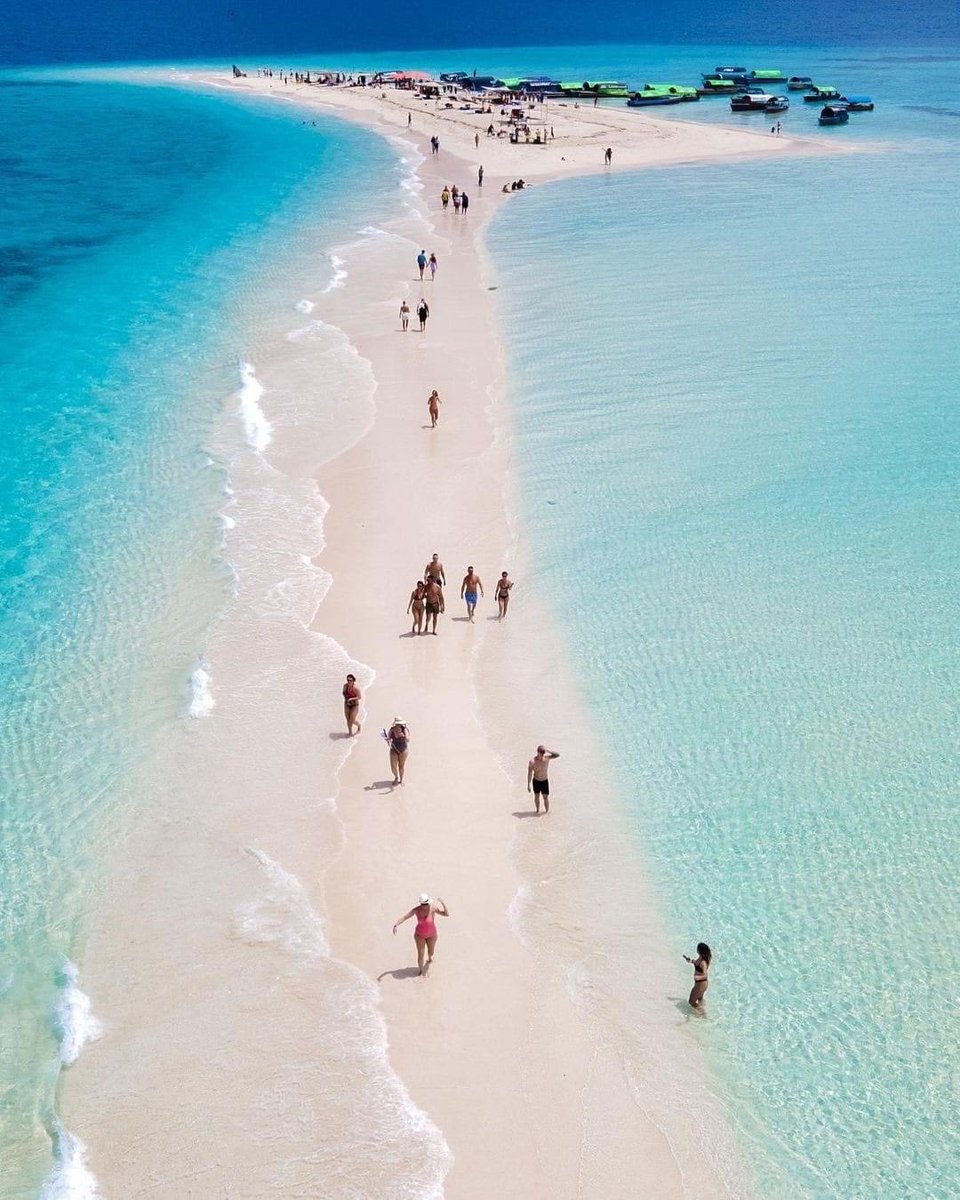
column 425, row 931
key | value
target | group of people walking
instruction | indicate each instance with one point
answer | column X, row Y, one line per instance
column 461, row 201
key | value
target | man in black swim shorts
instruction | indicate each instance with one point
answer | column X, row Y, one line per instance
column 537, row 780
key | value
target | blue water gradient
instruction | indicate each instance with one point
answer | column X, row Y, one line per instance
column 145, row 235
column 737, row 426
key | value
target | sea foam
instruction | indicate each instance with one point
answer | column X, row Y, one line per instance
column 75, row 1023
column 256, row 427
column 305, row 306
column 283, row 916
column 201, row 698
column 339, row 274
column 70, row 1178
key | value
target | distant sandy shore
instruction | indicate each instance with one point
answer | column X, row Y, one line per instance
column 543, row 1045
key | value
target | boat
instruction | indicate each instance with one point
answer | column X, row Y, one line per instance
column 589, row 89
column 754, row 101
column 652, row 96
column 799, row 83
column 860, row 104
column 766, row 77
column 833, row 115
column 713, row 85
column 730, row 72
column 820, row 93
column 670, row 89
column 777, row 104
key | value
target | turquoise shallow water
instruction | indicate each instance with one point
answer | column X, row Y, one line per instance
column 737, row 435
column 146, row 237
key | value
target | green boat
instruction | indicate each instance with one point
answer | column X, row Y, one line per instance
column 591, row 88
column 673, row 89
column 820, row 93
column 716, row 85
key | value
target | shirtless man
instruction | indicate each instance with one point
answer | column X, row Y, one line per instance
column 504, row 584
column 433, row 408
column 537, row 776
column 434, row 570
column 433, row 600
column 468, row 591
column 415, row 606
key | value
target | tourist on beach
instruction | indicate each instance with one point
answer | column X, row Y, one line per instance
column 445, row 196
column 537, row 776
column 423, row 311
column 464, row 203
column 398, row 739
column 456, row 201
column 608, row 156
column 480, row 175
column 433, row 266
column 433, row 602
column 415, row 606
column 454, row 192
column 404, row 315
column 409, row 119
column 701, row 968
column 504, row 584
column 434, row 570
column 422, row 262
column 472, row 583
column 476, row 140
column 433, row 407
column 425, row 930
column 351, row 704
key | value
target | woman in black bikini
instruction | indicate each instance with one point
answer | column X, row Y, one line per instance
column 351, row 704
column 398, row 737
column 701, row 967
column 504, row 584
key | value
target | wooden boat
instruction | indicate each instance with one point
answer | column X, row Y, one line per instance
column 860, row 104
column 799, row 83
column 777, row 104
column 766, row 76
column 834, row 116
column 713, row 85
column 821, row 93
column 652, row 95
column 754, row 101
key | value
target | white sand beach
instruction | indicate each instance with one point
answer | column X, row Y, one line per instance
column 243, row 937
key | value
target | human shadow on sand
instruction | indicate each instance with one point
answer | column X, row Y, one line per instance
column 400, row 973
column 526, row 813
column 341, row 737
column 380, row 785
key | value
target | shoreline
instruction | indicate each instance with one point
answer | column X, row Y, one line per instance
column 487, row 1071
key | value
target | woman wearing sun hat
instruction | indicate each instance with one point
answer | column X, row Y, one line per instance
column 398, row 739
column 425, row 931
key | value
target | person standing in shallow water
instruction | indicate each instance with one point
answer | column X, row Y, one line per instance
column 537, row 776
column 425, row 930
column 701, row 968
column 351, row 704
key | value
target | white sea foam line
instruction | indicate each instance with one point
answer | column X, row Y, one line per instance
column 70, row 1178
column 339, row 275
column 75, row 1023
column 256, row 427
column 201, row 697
column 305, row 306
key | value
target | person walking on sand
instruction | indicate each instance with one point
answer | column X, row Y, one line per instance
column 351, row 704
column 456, row 201
column 537, row 776
column 409, row 119
column 476, row 140
column 433, row 267
column 434, row 570
column 433, row 407
column 415, row 606
column 701, row 969
column 472, row 583
column 464, row 203
column 608, row 156
column 398, row 739
column 425, row 930
column 422, row 262
column 423, row 311
column 433, row 602
column 480, row 175
column 504, row 584
column 404, row 315
column 445, row 197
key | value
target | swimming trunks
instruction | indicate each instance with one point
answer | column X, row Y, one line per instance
column 470, row 597
column 432, row 608
column 541, row 787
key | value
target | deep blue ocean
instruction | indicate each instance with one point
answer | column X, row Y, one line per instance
column 743, row 434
